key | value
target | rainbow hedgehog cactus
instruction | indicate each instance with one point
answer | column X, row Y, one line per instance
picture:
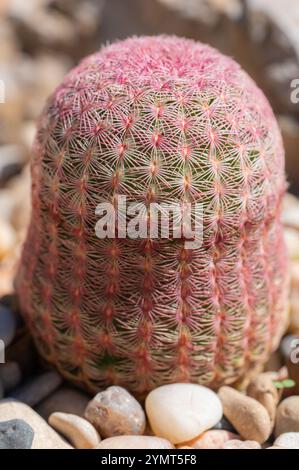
column 164, row 120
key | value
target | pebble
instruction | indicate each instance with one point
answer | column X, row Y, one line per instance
column 213, row 439
column 182, row 411
column 246, row 414
column 38, row 388
column 8, row 323
column 44, row 436
column 287, row 419
column 10, row 162
column 135, row 442
column 16, row 434
column 116, row 412
column 291, row 237
column 224, row 425
column 7, row 239
column 288, row 440
column 65, row 399
column 10, row 375
column 288, row 345
column 263, row 390
column 237, row 444
column 77, row 430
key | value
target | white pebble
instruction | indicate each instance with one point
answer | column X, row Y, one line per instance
column 180, row 412
column 135, row 442
column 77, row 430
column 288, row 440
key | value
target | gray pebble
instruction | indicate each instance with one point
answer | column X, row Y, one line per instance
column 8, row 325
column 287, row 345
column 10, row 375
column 16, row 434
column 225, row 425
column 37, row 389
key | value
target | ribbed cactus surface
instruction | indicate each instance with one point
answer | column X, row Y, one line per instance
column 157, row 119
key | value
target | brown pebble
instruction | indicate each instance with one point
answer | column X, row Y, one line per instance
column 247, row 415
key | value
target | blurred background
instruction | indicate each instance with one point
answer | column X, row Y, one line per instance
column 40, row 40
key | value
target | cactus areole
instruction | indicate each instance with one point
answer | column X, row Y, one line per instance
column 165, row 120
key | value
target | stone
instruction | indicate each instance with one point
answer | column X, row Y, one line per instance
column 11, row 158
column 135, row 442
column 77, row 430
column 44, row 436
column 291, row 237
column 207, row 12
column 16, row 434
column 115, row 412
column 225, row 425
column 273, row 26
column 263, row 390
column 237, row 444
column 247, row 415
column 38, row 388
column 294, row 298
column 289, row 440
column 10, row 375
column 213, row 439
column 182, row 411
column 287, row 419
column 8, row 323
column 65, row 399
column 288, row 344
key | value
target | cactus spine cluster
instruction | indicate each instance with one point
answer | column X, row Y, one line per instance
column 168, row 120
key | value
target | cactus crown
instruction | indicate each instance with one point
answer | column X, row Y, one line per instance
column 156, row 119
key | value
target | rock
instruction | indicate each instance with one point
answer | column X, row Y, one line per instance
column 263, row 390
column 8, row 323
column 225, row 425
column 287, row 419
column 44, row 436
column 290, row 350
column 16, row 434
column 65, row 399
column 10, row 375
column 214, row 439
column 135, row 442
column 182, row 411
column 273, row 25
column 274, row 363
column 246, row 414
column 237, row 444
column 291, row 237
column 289, row 127
column 289, row 440
column 115, row 412
column 77, row 430
column 38, row 388
column 288, row 345
column 24, row 353
column 207, row 12
column 11, row 159
column 294, row 298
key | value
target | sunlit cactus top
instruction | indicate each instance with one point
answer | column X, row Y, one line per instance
column 158, row 119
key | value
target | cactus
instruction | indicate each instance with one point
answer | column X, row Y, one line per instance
column 156, row 119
